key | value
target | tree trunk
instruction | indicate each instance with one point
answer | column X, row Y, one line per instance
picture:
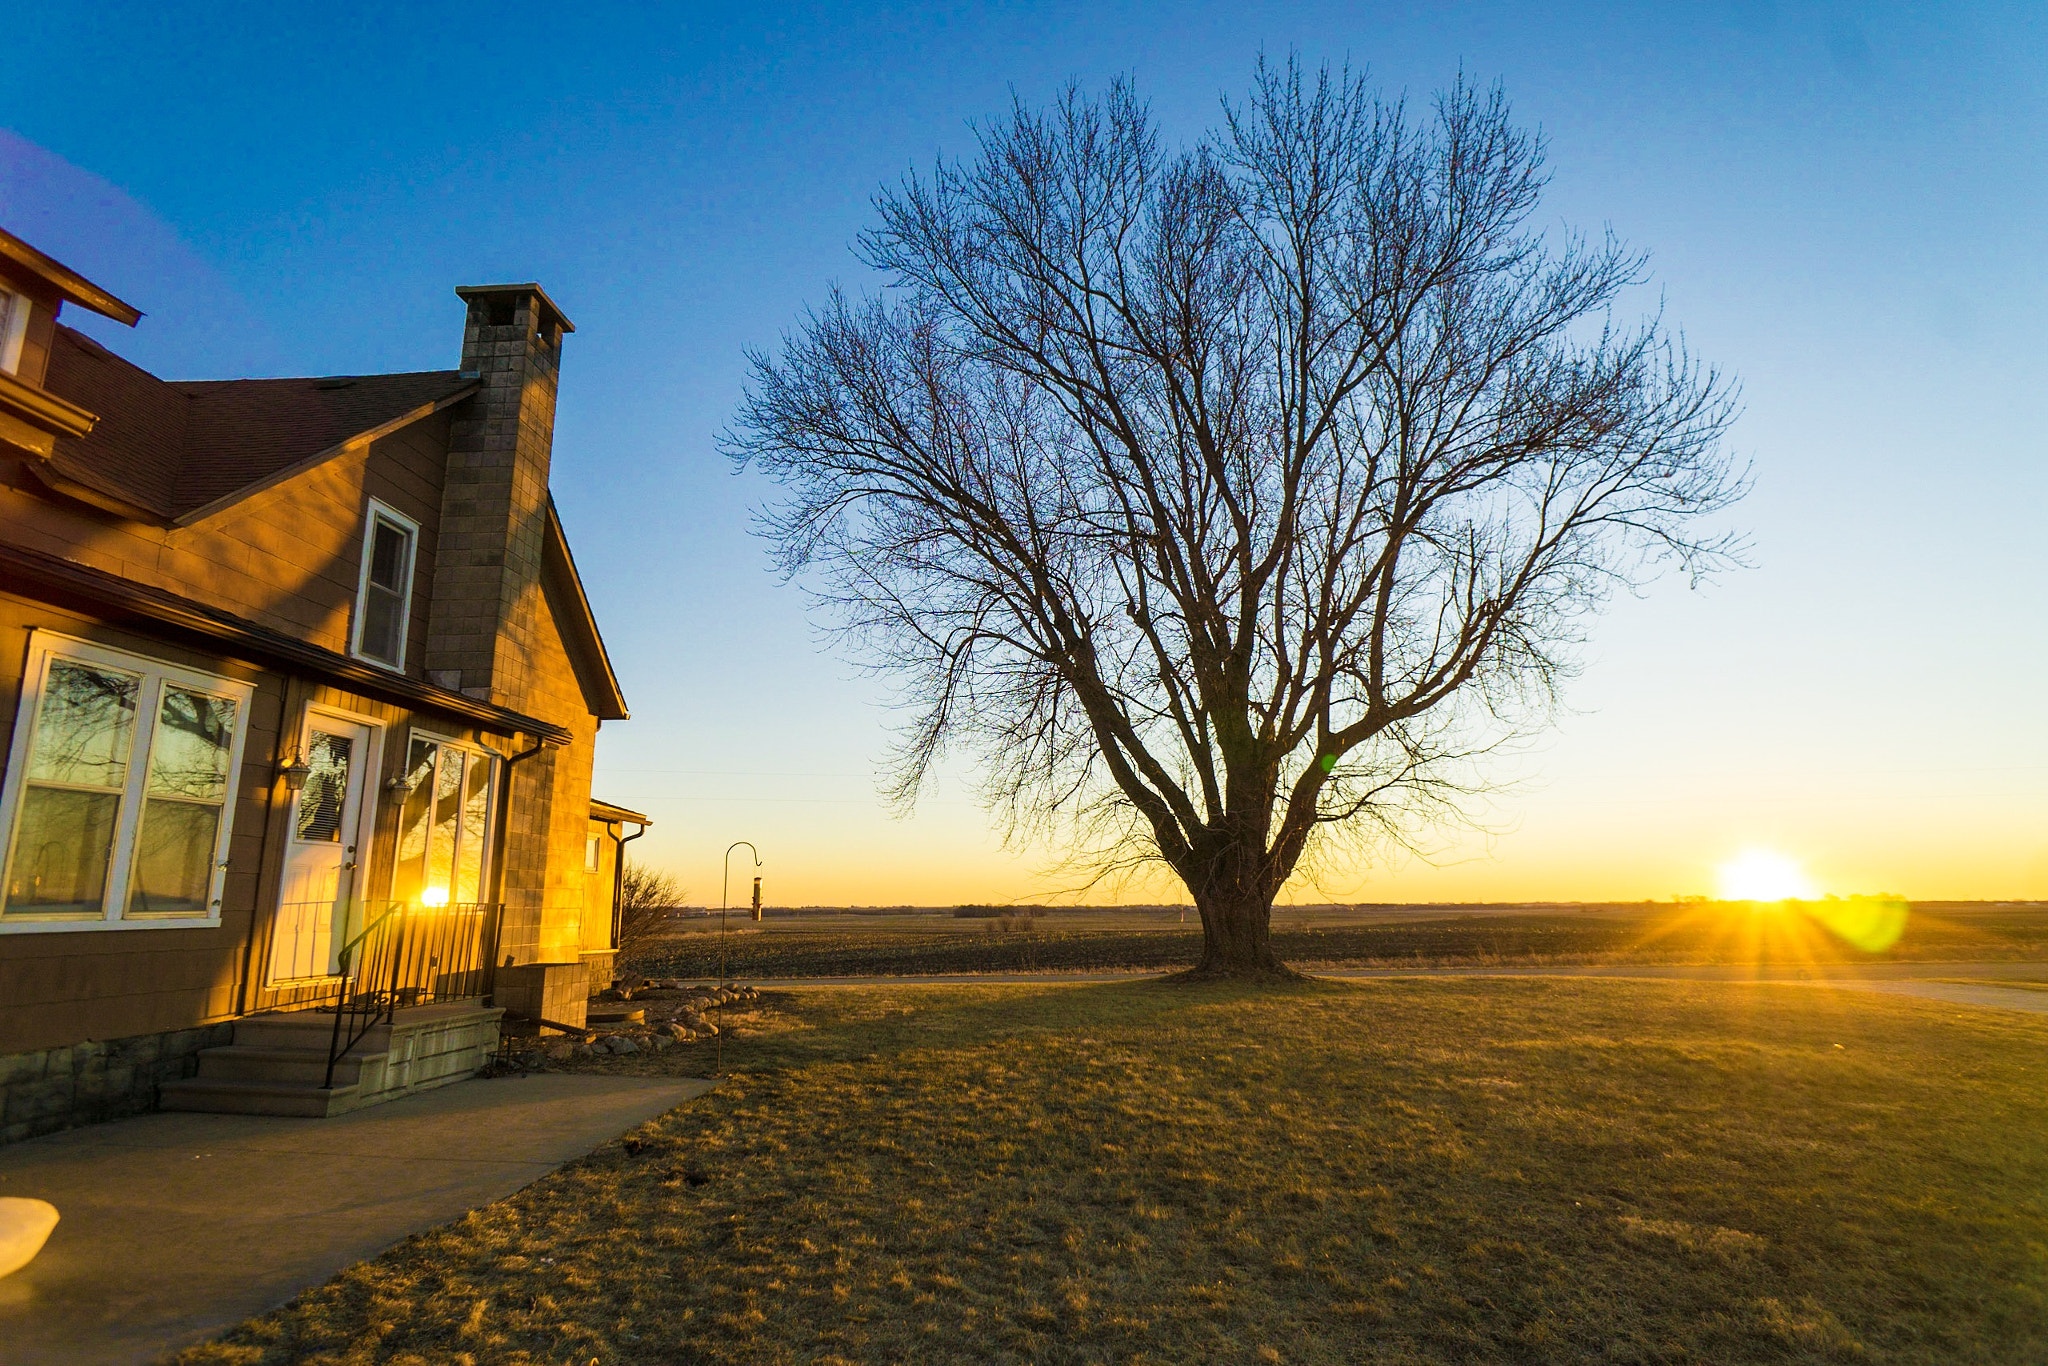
column 1237, row 939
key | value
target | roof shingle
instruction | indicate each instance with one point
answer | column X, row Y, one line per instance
column 174, row 447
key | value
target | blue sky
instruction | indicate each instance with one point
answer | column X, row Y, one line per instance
column 1844, row 207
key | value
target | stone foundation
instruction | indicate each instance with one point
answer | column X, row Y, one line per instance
column 100, row 1079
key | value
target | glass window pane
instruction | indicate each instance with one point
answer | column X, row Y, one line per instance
column 388, row 555
column 447, row 812
column 189, row 753
column 85, row 726
column 411, row 872
column 476, row 811
column 325, row 795
column 174, row 858
column 382, row 626
column 62, row 845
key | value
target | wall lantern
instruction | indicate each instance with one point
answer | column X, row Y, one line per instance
column 295, row 774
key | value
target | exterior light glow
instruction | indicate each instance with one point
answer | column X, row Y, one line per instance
column 434, row 896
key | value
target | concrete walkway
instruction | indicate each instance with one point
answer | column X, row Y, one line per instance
column 178, row 1225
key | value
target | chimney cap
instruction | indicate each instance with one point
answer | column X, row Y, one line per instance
column 548, row 311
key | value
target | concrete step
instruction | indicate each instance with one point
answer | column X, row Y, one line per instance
column 256, row 1098
column 291, row 1066
column 307, row 1029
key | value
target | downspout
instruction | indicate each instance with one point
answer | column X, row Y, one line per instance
column 619, row 874
column 501, row 838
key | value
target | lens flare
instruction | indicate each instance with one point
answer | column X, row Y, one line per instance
column 1871, row 923
column 1761, row 875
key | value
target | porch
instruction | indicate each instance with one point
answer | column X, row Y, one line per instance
column 406, row 1008
column 278, row 1063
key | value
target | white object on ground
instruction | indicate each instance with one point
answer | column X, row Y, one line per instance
column 24, row 1226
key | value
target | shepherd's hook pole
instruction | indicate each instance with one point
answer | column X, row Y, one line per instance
column 724, row 888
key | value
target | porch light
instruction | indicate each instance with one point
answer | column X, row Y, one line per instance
column 434, row 896
column 295, row 774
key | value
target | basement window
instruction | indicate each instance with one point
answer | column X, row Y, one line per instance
column 384, row 594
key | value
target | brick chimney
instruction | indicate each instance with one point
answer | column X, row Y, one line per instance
column 494, row 497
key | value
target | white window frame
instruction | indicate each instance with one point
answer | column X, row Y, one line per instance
column 378, row 509
column 45, row 646
column 486, row 864
column 14, row 309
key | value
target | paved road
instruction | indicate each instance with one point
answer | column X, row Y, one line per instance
column 1897, row 979
column 175, row 1226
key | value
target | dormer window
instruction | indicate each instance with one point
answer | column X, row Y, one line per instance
column 384, row 596
column 13, row 328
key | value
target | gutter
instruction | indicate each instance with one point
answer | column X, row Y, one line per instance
column 260, row 644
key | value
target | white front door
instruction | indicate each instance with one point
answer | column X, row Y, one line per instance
column 323, row 862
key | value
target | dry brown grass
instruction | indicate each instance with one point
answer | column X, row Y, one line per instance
column 1392, row 1172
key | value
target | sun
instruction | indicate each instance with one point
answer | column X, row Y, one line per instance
column 1763, row 875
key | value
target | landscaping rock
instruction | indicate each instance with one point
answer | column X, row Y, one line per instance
column 623, row 1046
column 563, row 1051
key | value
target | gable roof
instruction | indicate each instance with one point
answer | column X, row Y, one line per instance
column 66, row 283
column 578, row 624
column 176, row 451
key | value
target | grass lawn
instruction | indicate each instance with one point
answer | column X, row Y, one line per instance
column 1388, row 1171
column 800, row 945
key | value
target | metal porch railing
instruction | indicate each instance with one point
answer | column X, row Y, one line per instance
column 412, row 955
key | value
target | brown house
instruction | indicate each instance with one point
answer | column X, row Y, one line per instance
column 299, row 689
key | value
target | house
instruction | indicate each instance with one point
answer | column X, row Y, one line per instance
column 299, row 689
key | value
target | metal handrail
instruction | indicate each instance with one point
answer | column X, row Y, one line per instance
column 411, row 955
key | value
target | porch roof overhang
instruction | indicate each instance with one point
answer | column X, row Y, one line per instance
column 125, row 598
column 612, row 814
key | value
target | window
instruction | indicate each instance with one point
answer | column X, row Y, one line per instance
column 384, row 597
column 119, row 788
column 591, row 854
column 445, row 824
column 13, row 328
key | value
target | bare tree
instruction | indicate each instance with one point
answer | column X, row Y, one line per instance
column 646, row 898
column 1228, row 499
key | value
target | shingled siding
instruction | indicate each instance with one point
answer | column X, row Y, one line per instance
column 62, row 987
column 287, row 554
column 289, row 557
column 545, row 888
